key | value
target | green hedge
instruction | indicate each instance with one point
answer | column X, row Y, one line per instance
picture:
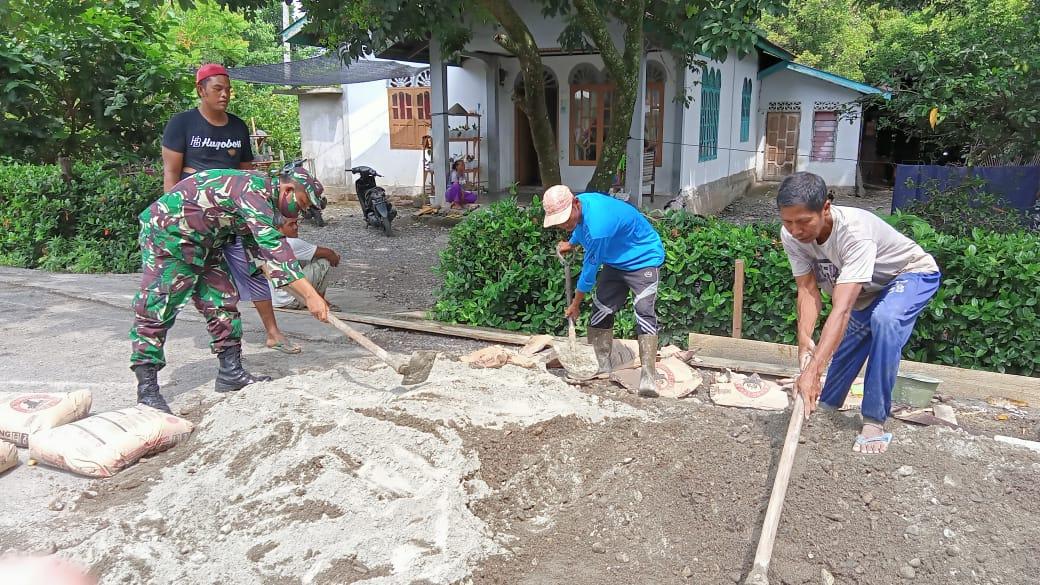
column 499, row 270
column 86, row 225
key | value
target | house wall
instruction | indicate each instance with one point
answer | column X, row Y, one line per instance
column 789, row 86
column 707, row 187
column 574, row 176
column 353, row 129
column 323, row 136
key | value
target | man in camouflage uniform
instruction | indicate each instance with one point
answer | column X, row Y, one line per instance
column 182, row 234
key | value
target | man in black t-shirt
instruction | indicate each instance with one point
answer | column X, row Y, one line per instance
column 206, row 138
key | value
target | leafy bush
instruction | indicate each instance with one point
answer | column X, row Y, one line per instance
column 500, row 270
column 86, row 225
column 961, row 208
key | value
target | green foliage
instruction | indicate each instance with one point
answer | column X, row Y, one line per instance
column 87, row 225
column 985, row 315
column 499, row 270
column 976, row 63
column 959, row 209
column 101, row 80
column 834, row 35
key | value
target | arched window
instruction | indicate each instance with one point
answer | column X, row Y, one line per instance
column 745, row 111
column 653, row 123
column 590, row 114
column 711, row 86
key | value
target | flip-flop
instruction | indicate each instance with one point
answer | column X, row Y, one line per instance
column 286, row 347
column 862, row 441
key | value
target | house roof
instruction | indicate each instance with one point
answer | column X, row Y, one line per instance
column 822, row 75
column 766, row 46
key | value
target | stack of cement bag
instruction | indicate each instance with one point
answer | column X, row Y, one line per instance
column 57, row 431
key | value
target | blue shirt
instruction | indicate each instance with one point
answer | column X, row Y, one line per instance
column 614, row 233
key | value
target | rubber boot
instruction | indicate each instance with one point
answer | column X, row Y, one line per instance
column 232, row 376
column 648, row 360
column 602, row 342
column 148, row 387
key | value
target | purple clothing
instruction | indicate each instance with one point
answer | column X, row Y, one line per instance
column 455, row 194
column 251, row 287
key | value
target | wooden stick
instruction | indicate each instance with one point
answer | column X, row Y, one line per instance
column 738, row 298
column 764, row 552
column 365, row 342
column 427, row 326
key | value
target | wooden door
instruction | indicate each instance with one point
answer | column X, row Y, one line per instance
column 781, row 144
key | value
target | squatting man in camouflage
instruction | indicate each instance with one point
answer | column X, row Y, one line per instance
column 182, row 234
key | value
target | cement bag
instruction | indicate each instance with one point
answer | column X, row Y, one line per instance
column 747, row 392
column 23, row 414
column 104, row 444
column 8, row 456
column 675, row 379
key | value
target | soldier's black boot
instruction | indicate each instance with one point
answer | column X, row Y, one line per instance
column 148, row 387
column 232, row 376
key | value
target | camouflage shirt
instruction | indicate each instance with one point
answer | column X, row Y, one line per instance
column 207, row 210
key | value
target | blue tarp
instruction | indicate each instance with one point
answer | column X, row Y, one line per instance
column 1020, row 186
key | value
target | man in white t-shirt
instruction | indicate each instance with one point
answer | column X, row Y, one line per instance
column 315, row 261
column 879, row 281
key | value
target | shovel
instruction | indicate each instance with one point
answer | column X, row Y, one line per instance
column 415, row 370
column 575, row 359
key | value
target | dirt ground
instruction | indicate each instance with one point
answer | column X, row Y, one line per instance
column 333, row 473
column 396, row 270
column 760, row 204
column 510, row 476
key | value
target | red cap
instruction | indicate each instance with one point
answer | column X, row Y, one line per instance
column 209, row 71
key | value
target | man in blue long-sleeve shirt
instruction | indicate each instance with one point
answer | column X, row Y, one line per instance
column 616, row 235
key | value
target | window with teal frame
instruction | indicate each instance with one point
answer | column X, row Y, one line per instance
column 711, row 85
column 745, row 111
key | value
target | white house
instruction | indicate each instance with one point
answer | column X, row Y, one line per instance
column 754, row 118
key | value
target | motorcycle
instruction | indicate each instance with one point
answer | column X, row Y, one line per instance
column 375, row 206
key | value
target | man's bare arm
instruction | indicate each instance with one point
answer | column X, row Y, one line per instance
column 172, row 167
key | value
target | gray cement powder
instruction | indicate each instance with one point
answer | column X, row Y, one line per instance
column 332, row 477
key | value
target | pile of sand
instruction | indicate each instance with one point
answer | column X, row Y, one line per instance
column 331, row 477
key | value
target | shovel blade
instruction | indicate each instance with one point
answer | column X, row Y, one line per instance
column 418, row 367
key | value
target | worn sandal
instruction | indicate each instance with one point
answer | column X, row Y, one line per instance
column 862, row 441
column 286, row 347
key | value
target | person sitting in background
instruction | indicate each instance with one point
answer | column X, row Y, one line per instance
column 455, row 195
column 316, row 263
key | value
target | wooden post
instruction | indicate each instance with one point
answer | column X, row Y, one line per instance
column 738, row 298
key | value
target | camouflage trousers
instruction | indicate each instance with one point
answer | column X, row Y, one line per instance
column 166, row 285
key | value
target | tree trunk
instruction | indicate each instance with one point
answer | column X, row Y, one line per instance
column 624, row 69
column 519, row 41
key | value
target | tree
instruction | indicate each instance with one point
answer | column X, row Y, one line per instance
column 101, row 82
column 973, row 68
column 691, row 30
column 688, row 29
column 834, row 35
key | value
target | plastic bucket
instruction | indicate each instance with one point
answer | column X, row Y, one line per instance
column 916, row 390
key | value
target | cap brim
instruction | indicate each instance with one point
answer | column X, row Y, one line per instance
column 558, row 217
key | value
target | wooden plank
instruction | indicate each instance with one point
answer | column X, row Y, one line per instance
column 959, row 382
column 435, row 327
column 738, row 298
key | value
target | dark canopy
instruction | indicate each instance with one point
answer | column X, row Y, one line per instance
column 322, row 70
